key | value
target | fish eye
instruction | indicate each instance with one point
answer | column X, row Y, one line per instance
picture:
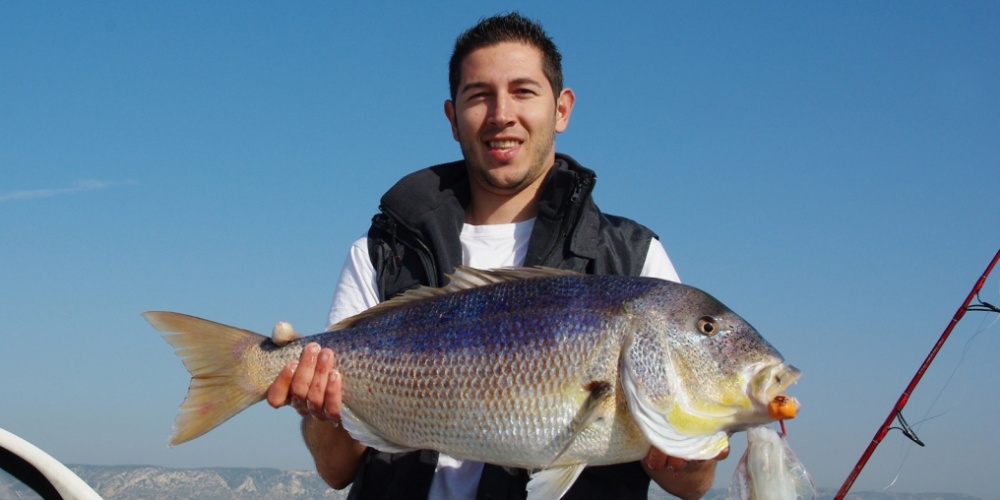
column 707, row 326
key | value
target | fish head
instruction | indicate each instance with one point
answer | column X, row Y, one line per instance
column 693, row 372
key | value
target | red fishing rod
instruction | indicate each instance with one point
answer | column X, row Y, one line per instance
column 905, row 397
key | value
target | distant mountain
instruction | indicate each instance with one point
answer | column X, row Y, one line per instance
column 135, row 482
column 160, row 483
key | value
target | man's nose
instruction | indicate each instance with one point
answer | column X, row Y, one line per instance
column 502, row 112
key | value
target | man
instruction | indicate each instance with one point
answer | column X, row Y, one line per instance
column 511, row 201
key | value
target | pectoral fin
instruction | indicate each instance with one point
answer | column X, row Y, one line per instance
column 599, row 392
column 553, row 483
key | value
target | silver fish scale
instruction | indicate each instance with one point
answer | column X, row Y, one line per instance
column 496, row 373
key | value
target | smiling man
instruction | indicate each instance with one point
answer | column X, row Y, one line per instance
column 511, row 201
column 505, row 114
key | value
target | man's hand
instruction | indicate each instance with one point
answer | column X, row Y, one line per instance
column 679, row 477
column 311, row 384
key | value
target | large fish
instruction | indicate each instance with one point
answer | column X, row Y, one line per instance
column 535, row 368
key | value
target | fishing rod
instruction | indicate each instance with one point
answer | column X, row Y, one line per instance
column 905, row 397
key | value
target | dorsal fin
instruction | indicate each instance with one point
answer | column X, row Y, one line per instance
column 464, row 278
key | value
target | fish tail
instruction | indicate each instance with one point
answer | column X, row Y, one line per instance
column 220, row 358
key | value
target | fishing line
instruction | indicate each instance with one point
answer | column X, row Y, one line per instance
column 907, row 446
column 905, row 396
column 908, row 429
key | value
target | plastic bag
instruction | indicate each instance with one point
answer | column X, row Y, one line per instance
column 769, row 470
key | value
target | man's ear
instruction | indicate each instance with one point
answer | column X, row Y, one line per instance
column 449, row 111
column 564, row 108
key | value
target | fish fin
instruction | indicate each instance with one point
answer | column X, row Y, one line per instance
column 214, row 354
column 364, row 434
column 467, row 277
column 464, row 278
column 554, row 482
column 600, row 391
column 660, row 433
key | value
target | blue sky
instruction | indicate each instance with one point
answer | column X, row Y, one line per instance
column 827, row 170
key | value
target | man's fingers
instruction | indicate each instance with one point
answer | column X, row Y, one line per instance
column 306, row 370
column 277, row 393
column 311, row 384
column 316, row 397
column 657, row 460
column 334, row 395
column 674, row 463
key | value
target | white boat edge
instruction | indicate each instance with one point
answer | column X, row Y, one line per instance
column 65, row 481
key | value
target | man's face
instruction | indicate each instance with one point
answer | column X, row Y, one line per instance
column 505, row 117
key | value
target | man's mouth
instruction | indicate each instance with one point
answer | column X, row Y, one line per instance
column 503, row 145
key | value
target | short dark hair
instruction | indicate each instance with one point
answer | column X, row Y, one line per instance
column 510, row 27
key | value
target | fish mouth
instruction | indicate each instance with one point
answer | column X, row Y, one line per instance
column 772, row 381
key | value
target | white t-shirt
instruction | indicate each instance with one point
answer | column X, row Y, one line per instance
column 483, row 247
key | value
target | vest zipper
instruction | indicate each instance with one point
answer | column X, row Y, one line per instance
column 580, row 187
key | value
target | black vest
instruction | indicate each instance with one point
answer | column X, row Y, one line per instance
column 414, row 241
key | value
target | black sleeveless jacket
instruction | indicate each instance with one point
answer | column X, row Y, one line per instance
column 414, row 240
